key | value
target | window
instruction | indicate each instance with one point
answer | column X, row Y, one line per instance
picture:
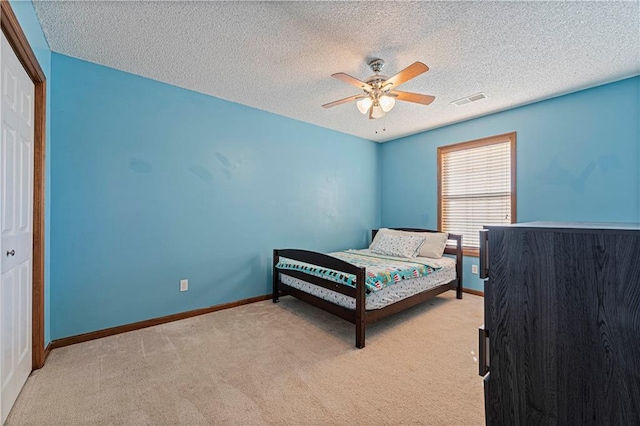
column 476, row 187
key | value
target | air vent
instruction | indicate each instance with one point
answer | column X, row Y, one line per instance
column 469, row 99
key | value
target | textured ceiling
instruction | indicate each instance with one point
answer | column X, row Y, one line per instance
column 278, row 56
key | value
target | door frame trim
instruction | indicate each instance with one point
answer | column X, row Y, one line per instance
column 18, row 41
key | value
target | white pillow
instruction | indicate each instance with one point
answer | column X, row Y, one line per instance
column 434, row 244
column 398, row 245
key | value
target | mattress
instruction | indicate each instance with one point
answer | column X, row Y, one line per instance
column 388, row 295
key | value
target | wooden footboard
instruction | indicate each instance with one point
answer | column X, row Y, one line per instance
column 360, row 316
column 319, row 259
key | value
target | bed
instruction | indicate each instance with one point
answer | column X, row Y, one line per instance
column 340, row 287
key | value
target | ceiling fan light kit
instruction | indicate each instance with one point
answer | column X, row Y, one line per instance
column 377, row 111
column 387, row 102
column 379, row 90
column 364, row 104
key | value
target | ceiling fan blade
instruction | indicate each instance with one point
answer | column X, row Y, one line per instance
column 343, row 101
column 407, row 74
column 352, row 80
column 412, row 97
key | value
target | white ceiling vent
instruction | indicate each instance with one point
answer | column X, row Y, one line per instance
column 469, row 99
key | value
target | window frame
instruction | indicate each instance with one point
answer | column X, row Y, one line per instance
column 476, row 143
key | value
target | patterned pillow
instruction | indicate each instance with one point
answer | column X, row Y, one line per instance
column 434, row 242
column 398, row 245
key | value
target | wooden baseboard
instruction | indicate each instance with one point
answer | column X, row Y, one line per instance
column 472, row 291
column 35, row 366
column 47, row 350
column 72, row 340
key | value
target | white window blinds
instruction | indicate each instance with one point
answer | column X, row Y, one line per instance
column 475, row 189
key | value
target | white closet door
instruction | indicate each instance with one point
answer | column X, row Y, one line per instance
column 16, row 224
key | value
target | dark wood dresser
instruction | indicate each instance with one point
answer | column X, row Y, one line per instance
column 561, row 339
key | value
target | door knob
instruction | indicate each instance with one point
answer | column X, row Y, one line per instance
column 11, row 253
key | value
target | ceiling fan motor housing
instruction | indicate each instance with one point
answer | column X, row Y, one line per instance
column 377, row 81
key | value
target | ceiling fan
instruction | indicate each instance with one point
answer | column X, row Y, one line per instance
column 380, row 92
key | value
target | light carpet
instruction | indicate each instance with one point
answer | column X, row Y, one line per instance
column 287, row 364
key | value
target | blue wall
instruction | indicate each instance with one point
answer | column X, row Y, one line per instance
column 26, row 15
column 152, row 184
column 578, row 159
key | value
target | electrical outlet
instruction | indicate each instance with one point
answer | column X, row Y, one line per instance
column 474, row 269
column 184, row 285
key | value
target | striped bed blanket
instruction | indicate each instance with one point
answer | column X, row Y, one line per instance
column 382, row 271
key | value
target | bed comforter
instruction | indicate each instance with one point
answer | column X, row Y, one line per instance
column 381, row 271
